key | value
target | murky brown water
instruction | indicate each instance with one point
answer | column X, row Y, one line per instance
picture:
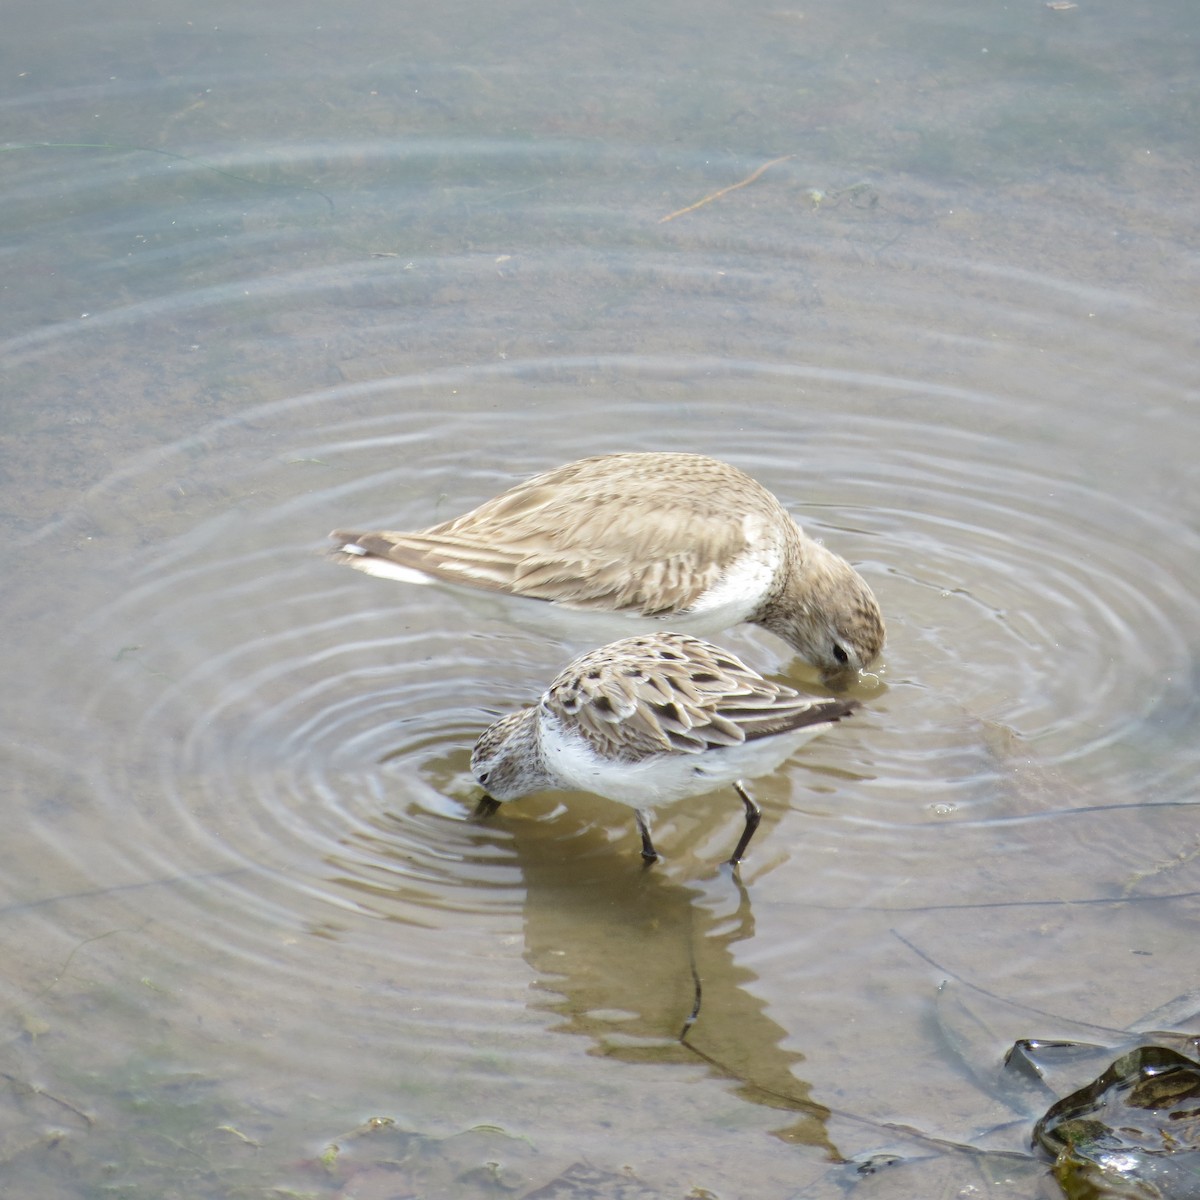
column 273, row 273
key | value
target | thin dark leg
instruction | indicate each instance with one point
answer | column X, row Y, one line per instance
column 643, row 823
column 753, row 816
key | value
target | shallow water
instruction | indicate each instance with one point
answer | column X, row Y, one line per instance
column 271, row 273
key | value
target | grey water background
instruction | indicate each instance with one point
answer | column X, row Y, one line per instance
column 270, row 269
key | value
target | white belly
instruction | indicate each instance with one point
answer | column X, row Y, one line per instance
column 667, row 777
column 578, row 625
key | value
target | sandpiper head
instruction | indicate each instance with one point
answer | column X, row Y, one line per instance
column 830, row 616
column 506, row 761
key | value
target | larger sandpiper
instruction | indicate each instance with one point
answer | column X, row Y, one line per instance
column 647, row 721
column 677, row 541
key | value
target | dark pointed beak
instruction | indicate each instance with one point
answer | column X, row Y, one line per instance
column 485, row 808
column 839, row 681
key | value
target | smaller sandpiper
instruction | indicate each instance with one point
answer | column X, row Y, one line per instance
column 659, row 541
column 647, row 721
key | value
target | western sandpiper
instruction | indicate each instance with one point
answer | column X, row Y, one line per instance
column 649, row 720
column 676, row 540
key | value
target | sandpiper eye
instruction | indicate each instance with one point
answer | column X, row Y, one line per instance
column 839, row 652
column 482, row 776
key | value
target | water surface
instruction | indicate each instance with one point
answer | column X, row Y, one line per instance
column 274, row 272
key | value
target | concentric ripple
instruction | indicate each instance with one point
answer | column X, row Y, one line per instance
column 274, row 273
column 274, row 748
column 304, row 722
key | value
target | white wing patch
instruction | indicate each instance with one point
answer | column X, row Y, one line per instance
column 383, row 568
column 743, row 588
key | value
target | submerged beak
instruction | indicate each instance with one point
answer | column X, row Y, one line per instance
column 485, row 808
column 840, row 681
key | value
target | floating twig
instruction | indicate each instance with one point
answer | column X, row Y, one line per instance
column 733, row 187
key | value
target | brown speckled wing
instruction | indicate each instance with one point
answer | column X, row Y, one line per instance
column 610, row 533
column 670, row 693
